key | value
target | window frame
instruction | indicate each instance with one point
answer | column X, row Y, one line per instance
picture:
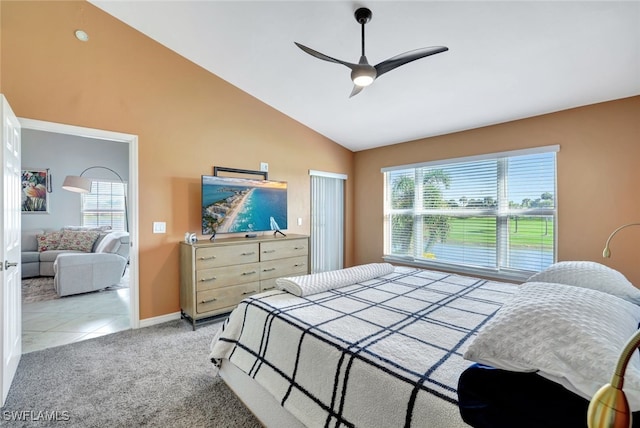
column 501, row 212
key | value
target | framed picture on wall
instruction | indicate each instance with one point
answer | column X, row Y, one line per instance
column 35, row 190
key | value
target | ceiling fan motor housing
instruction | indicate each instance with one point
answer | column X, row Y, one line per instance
column 363, row 15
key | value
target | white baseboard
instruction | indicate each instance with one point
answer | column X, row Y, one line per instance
column 148, row 322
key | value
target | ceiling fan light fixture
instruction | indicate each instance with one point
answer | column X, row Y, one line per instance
column 363, row 80
column 363, row 76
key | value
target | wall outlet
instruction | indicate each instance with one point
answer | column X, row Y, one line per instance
column 299, row 221
column 264, row 167
column 159, row 227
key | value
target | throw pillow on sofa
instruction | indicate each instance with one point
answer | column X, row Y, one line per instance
column 48, row 241
column 78, row 241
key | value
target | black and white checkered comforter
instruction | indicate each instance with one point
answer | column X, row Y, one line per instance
column 382, row 353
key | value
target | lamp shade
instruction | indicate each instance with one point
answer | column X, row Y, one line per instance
column 74, row 183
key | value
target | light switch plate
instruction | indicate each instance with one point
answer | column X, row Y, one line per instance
column 159, row 227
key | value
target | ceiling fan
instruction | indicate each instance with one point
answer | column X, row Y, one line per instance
column 363, row 74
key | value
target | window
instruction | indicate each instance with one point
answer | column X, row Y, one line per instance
column 105, row 205
column 493, row 214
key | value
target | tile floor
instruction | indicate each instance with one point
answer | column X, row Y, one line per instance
column 74, row 318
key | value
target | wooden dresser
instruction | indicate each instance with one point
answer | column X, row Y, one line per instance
column 216, row 275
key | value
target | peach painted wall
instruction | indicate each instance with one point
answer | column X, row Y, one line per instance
column 187, row 121
column 598, row 178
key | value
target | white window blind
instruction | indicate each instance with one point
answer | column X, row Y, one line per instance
column 493, row 215
column 327, row 221
column 104, row 205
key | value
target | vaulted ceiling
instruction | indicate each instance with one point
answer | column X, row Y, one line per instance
column 506, row 60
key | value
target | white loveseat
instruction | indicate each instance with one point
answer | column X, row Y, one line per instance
column 80, row 261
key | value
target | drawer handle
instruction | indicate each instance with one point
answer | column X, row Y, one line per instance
column 213, row 278
column 248, row 254
column 268, row 270
column 298, row 248
column 207, row 258
column 208, row 301
column 247, row 292
column 299, row 264
column 269, row 251
column 270, row 288
column 249, row 273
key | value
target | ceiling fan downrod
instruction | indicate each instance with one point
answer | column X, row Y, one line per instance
column 363, row 15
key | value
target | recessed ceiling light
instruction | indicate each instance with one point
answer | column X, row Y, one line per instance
column 82, row 36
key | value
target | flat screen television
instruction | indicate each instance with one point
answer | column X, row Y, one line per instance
column 242, row 205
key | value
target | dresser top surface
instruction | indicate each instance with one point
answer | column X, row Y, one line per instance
column 244, row 240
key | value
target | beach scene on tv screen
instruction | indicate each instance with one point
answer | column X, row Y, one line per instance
column 231, row 205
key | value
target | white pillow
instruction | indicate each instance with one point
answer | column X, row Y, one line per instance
column 572, row 335
column 305, row 285
column 589, row 275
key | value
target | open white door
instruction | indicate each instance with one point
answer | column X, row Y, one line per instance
column 10, row 297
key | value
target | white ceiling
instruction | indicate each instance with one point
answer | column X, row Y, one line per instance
column 506, row 60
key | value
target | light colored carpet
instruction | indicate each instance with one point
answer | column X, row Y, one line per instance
column 157, row 376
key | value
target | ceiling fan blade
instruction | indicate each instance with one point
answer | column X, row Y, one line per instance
column 356, row 90
column 407, row 57
column 324, row 57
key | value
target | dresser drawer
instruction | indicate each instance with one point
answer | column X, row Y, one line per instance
column 267, row 284
column 210, row 257
column 208, row 279
column 292, row 266
column 282, row 249
column 212, row 300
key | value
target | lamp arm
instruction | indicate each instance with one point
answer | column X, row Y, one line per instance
column 606, row 253
column 617, row 380
column 109, row 169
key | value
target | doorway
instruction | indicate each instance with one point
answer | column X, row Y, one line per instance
column 131, row 141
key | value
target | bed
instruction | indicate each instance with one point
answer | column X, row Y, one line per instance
column 395, row 340
column 417, row 348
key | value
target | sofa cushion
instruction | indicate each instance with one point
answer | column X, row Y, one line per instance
column 87, row 228
column 29, row 241
column 99, row 240
column 50, row 256
column 48, row 241
column 30, row 257
column 110, row 243
column 79, row 241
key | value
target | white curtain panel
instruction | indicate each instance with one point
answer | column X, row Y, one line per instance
column 327, row 221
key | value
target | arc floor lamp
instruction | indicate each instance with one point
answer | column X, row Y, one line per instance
column 609, row 407
column 80, row 184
